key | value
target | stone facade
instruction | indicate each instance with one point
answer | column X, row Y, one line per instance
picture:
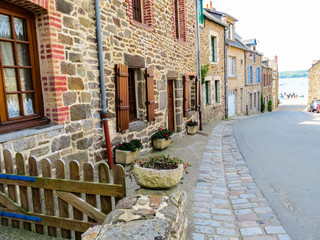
column 314, row 82
column 267, row 84
column 213, row 89
column 236, row 83
column 69, row 70
column 275, row 81
column 253, row 87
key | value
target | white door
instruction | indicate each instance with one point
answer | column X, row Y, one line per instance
column 232, row 103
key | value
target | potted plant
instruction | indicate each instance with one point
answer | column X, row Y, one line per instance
column 192, row 127
column 161, row 139
column 127, row 152
column 159, row 172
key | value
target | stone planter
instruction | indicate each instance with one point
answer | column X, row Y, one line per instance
column 192, row 130
column 157, row 179
column 160, row 144
column 127, row 157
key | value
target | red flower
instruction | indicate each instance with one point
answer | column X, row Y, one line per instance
column 141, row 143
column 160, row 129
column 166, row 135
column 118, row 144
column 196, row 124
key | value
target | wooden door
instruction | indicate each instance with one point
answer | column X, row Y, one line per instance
column 170, row 106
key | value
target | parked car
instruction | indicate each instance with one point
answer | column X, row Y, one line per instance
column 314, row 105
column 318, row 109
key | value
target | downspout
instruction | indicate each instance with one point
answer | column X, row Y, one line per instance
column 199, row 64
column 226, row 75
column 104, row 114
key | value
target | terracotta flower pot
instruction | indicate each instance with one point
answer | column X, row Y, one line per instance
column 127, row 157
column 192, row 130
column 157, row 179
column 160, row 144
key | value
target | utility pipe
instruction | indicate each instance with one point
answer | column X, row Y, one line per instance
column 226, row 78
column 199, row 63
column 104, row 114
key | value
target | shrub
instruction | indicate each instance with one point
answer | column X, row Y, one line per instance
column 204, row 72
column 270, row 106
column 131, row 146
column 192, row 123
column 162, row 134
column 161, row 162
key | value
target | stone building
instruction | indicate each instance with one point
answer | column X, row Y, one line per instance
column 275, row 81
column 266, row 83
column 253, row 77
column 212, row 37
column 51, row 106
column 314, row 81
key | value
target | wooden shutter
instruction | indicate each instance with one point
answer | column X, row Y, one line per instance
column 186, row 95
column 150, row 94
column 122, row 97
column 198, row 85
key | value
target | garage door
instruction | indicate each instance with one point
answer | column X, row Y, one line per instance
column 232, row 103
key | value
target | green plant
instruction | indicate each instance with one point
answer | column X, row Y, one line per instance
column 162, row 134
column 204, row 72
column 161, row 162
column 263, row 106
column 192, row 123
column 131, row 146
column 270, row 106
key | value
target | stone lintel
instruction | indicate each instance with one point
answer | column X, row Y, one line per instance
column 134, row 61
column 172, row 75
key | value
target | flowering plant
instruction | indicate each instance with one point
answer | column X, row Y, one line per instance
column 192, row 123
column 131, row 146
column 161, row 162
column 162, row 134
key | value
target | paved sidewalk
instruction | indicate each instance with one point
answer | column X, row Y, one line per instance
column 227, row 202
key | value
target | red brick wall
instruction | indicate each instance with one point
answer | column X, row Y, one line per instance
column 148, row 14
column 182, row 20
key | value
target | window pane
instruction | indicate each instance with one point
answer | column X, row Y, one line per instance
column 10, row 78
column 26, row 79
column 23, row 54
column 5, row 27
column 28, row 103
column 7, row 53
column 13, row 105
column 20, row 29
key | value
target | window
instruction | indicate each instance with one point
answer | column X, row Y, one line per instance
column 230, row 32
column 254, row 100
column 137, row 10
column 132, row 96
column 191, row 94
column 250, row 75
column 213, row 49
column 264, row 79
column 200, row 11
column 232, row 66
column 20, row 90
column 258, row 75
column 250, row 99
column 217, row 90
column 176, row 14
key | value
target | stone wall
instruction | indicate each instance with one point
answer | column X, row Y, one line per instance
column 237, row 83
column 214, row 110
column 314, row 82
column 67, row 46
column 255, row 88
column 267, row 88
column 144, row 217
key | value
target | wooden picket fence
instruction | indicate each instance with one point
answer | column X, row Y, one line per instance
column 45, row 203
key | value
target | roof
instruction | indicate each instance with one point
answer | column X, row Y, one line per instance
column 314, row 63
column 218, row 14
column 252, row 41
column 237, row 43
column 213, row 18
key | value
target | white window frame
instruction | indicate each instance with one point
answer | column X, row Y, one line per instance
column 232, row 66
column 216, row 45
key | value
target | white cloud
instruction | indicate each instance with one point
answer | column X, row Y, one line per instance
column 288, row 28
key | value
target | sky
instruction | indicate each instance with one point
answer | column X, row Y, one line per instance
column 287, row 28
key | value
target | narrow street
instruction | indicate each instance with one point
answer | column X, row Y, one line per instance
column 281, row 150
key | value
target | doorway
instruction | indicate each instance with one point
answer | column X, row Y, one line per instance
column 170, row 106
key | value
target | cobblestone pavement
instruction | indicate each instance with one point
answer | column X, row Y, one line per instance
column 228, row 205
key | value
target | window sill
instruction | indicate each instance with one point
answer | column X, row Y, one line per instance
column 214, row 63
column 6, row 137
column 232, row 76
column 142, row 25
column 137, row 126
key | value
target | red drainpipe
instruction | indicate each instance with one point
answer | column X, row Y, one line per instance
column 107, row 136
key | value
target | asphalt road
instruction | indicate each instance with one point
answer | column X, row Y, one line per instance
column 282, row 150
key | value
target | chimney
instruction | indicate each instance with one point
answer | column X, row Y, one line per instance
column 211, row 4
column 276, row 59
column 207, row 5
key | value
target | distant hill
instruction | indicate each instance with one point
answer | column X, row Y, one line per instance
column 294, row 74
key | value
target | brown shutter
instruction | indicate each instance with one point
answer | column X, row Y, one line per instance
column 198, row 85
column 122, row 97
column 150, row 94
column 186, row 95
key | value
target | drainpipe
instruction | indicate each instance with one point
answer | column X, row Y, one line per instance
column 226, row 75
column 199, row 63
column 104, row 114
